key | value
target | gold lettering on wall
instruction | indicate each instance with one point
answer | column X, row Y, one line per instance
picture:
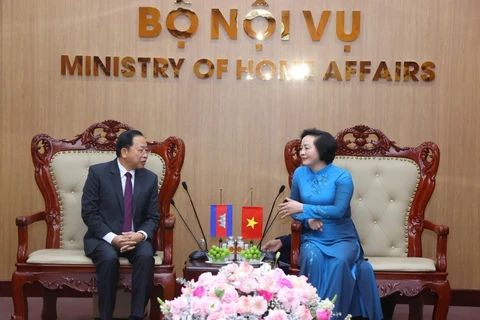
column 349, row 70
column 88, row 65
column 77, row 64
column 398, row 70
column 309, row 74
column 382, row 72
column 341, row 26
column 407, row 72
column 272, row 70
column 222, row 66
column 265, row 70
column 248, row 69
column 160, row 65
column 260, row 3
column 300, row 70
column 143, row 65
column 105, row 67
column 199, row 63
column 430, row 74
column 192, row 16
column 148, row 22
column 332, row 70
column 364, row 69
column 176, row 66
column 285, row 36
column 283, row 71
column 316, row 33
column 230, row 28
column 150, row 26
column 259, row 13
column 129, row 70
column 116, row 63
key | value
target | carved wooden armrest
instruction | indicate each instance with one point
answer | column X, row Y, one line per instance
column 296, row 228
column 168, row 225
column 442, row 232
column 22, row 223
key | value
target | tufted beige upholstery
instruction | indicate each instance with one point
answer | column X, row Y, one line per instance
column 384, row 189
column 69, row 170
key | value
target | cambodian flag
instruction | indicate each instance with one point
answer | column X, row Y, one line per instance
column 221, row 220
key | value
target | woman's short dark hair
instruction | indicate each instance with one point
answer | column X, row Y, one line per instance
column 324, row 142
column 125, row 140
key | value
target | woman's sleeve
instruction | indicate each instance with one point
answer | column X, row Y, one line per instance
column 343, row 196
column 294, row 192
column 295, row 195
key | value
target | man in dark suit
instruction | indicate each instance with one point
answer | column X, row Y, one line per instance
column 120, row 209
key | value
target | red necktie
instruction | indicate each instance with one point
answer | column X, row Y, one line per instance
column 128, row 204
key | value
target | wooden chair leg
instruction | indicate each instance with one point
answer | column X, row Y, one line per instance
column 415, row 309
column 49, row 311
column 169, row 288
column 388, row 306
column 19, row 297
column 164, row 288
column 440, row 310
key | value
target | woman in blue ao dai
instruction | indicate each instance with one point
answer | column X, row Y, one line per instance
column 331, row 255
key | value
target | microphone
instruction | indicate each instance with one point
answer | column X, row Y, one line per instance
column 270, row 215
column 186, row 225
column 202, row 253
column 267, row 229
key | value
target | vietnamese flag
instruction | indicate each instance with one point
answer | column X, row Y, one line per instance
column 252, row 222
column 221, row 220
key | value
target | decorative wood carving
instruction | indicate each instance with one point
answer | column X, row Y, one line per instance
column 363, row 141
column 99, row 136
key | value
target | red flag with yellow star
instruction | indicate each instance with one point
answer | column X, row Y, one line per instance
column 252, row 222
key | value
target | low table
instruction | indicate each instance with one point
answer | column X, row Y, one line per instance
column 194, row 268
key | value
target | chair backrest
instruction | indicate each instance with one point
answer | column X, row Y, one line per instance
column 392, row 186
column 61, row 168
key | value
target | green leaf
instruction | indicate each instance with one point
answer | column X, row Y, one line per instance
column 334, row 299
column 219, row 293
column 160, row 301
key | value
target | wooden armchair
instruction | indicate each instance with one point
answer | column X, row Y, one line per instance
column 392, row 188
column 61, row 168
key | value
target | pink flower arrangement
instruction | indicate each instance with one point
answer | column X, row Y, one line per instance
column 240, row 291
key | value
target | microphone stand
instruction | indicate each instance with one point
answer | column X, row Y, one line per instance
column 268, row 254
column 202, row 253
column 198, row 255
column 270, row 215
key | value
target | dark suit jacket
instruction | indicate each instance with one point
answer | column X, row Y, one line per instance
column 102, row 203
column 286, row 248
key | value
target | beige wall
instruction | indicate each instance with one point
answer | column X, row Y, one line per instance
column 235, row 130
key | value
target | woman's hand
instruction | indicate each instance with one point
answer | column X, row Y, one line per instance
column 315, row 224
column 289, row 207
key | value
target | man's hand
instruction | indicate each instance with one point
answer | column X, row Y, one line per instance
column 272, row 245
column 135, row 236
column 315, row 224
column 123, row 243
column 127, row 241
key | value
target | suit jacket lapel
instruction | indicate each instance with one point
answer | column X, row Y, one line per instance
column 137, row 189
column 116, row 182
